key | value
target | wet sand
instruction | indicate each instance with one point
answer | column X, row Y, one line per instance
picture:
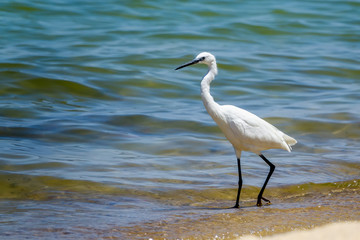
column 216, row 221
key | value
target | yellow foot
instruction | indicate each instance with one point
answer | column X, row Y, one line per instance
column 259, row 203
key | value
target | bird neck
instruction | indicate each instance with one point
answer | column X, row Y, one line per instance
column 206, row 97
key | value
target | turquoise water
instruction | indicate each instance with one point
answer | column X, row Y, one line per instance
column 100, row 135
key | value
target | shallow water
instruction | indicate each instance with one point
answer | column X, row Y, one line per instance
column 100, row 137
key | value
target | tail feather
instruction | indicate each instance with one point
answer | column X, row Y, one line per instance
column 289, row 141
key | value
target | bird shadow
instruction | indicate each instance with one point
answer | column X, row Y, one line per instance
column 226, row 208
column 216, row 208
column 222, row 208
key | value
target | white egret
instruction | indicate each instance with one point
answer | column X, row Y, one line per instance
column 244, row 130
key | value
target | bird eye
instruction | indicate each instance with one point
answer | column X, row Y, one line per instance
column 202, row 59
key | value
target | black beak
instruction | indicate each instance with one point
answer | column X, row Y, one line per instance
column 188, row 64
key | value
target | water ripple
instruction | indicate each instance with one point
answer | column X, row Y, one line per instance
column 96, row 121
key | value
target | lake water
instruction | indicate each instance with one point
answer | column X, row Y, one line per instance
column 102, row 139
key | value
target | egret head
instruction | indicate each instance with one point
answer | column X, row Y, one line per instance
column 204, row 57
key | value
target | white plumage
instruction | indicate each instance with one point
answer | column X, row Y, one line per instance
column 244, row 130
column 247, row 132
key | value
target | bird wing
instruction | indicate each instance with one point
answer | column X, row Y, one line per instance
column 253, row 133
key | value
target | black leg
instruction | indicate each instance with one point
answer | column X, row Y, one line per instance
column 240, row 184
column 272, row 168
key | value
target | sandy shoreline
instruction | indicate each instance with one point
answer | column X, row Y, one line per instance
column 333, row 231
column 312, row 215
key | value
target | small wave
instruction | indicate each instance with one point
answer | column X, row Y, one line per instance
column 152, row 125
